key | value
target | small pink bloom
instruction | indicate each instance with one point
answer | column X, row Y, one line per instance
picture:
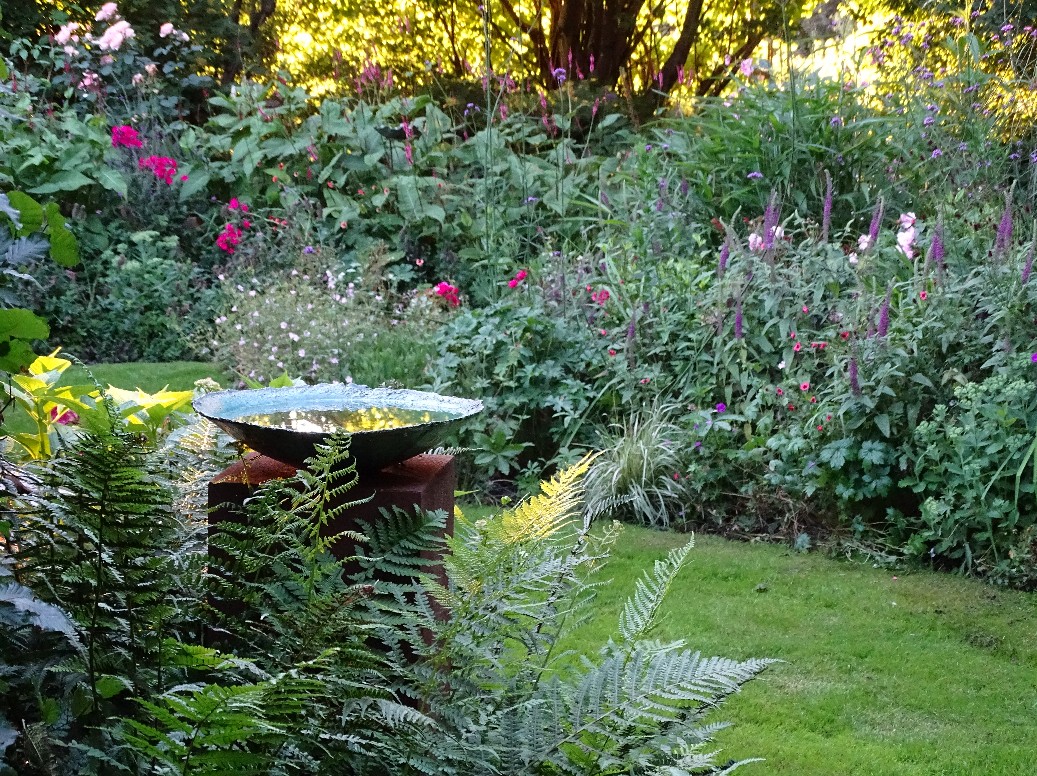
column 923, row 295
column 805, row 386
column 66, row 418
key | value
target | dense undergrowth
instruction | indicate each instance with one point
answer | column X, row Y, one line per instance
column 787, row 288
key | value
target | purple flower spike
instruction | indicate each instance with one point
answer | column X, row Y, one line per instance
column 936, row 249
column 883, row 327
column 1004, row 229
column 738, row 319
column 876, row 222
column 725, row 254
column 855, row 384
column 826, row 215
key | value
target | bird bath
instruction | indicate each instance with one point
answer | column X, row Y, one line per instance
column 388, row 425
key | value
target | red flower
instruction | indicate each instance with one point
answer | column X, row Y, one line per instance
column 163, row 167
column 804, row 386
column 125, row 136
column 780, row 392
column 796, row 347
column 844, row 334
column 449, row 293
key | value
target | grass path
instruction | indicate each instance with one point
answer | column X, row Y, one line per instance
column 886, row 673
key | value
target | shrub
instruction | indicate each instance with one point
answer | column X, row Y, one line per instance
column 971, row 462
column 138, row 301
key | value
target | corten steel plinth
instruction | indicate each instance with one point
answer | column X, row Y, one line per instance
column 424, row 481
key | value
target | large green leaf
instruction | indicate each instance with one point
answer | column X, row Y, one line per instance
column 112, row 180
column 64, row 249
column 30, row 209
column 22, row 324
column 67, row 180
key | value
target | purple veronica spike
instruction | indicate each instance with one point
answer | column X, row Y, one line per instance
column 738, row 318
column 855, row 384
column 883, row 327
column 725, row 254
column 876, row 222
column 826, row 216
column 1028, row 267
column 936, row 249
column 1004, row 229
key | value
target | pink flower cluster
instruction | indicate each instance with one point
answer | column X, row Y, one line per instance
column 600, row 296
column 519, row 277
column 906, row 235
column 126, row 136
column 163, row 167
column 229, row 238
column 449, row 293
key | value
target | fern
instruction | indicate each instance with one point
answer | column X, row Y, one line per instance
column 641, row 610
column 491, row 680
column 219, row 730
column 93, row 547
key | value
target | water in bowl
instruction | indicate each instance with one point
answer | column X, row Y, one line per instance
column 330, row 421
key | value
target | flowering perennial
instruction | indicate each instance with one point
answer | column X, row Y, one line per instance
column 519, row 277
column 449, row 293
column 229, row 238
column 163, row 167
column 125, row 136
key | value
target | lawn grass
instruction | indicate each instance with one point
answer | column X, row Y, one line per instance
column 886, row 673
column 175, row 375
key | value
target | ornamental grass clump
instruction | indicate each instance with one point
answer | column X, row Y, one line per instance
column 639, row 475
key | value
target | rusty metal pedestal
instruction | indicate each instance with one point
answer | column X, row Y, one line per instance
column 424, row 481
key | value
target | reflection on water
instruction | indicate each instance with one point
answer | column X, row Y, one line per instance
column 366, row 419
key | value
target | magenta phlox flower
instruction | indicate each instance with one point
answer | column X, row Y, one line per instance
column 163, row 167
column 448, row 292
column 125, row 136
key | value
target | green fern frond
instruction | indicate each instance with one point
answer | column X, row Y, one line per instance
column 218, row 730
column 404, row 544
column 642, row 608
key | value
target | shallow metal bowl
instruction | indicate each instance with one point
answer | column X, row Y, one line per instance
column 388, row 425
